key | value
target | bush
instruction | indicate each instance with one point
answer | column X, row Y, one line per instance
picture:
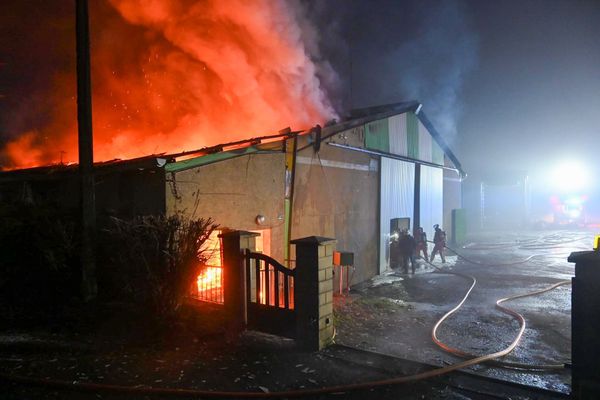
column 154, row 259
column 38, row 259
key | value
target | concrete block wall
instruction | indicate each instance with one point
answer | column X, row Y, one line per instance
column 325, row 279
column 314, row 291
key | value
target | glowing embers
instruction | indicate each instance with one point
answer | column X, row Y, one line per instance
column 209, row 283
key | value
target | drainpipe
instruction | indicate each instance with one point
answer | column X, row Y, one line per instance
column 290, row 170
column 417, row 200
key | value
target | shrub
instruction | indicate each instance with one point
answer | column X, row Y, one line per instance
column 38, row 258
column 154, row 259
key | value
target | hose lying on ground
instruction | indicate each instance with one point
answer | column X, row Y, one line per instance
column 506, row 310
column 492, row 265
column 95, row 387
column 547, row 242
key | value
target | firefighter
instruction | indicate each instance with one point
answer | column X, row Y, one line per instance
column 439, row 242
column 421, row 239
column 407, row 247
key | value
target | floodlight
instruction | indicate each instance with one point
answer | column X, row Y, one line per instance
column 570, row 176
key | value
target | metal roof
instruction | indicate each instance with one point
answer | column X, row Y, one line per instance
column 220, row 152
column 365, row 115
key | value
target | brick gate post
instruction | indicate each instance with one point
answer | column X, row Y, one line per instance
column 234, row 244
column 313, row 291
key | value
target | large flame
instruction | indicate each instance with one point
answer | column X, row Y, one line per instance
column 174, row 75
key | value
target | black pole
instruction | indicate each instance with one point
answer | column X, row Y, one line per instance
column 86, row 153
column 417, row 199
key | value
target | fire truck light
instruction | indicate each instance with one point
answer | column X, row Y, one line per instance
column 570, row 176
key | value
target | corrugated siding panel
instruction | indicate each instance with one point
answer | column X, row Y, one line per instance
column 432, row 198
column 398, row 135
column 377, row 135
column 412, row 131
column 396, row 201
column 437, row 154
column 424, row 143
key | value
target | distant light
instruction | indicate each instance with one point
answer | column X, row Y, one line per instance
column 575, row 200
column 597, row 243
column 570, row 176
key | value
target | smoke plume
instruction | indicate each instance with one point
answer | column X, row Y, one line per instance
column 411, row 50
column 174, row 75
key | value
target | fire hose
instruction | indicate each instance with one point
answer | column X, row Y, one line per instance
column 337, row 389
column 94, row 387
column 506, row 310
column 547, row 242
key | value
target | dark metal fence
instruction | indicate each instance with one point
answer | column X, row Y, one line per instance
column 269, row 283
column 210, row 285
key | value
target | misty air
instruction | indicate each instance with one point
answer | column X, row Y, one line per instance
column 340, row 199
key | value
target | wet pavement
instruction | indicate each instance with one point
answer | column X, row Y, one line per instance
column 394, row 314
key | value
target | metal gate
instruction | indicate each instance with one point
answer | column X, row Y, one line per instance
column 270, row 295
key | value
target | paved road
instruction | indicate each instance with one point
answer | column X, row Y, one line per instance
column 394, row 314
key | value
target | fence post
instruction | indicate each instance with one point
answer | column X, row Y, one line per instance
column 585, row 323
column 234, row 244
column 313, row 297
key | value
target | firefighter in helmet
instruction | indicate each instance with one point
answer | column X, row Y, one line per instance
column 439, row 242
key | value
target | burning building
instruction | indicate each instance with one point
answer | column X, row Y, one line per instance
column 348, row 180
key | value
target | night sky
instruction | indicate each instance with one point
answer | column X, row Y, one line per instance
column 509, row 84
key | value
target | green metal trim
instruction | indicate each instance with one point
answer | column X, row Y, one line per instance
column 377, row 135
column 208, row 159
column 412, row 135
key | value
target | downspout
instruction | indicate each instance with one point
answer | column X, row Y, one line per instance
column 290, row 176
column 417, row 200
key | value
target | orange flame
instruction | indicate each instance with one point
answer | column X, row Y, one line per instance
column 175, row 75
column 210, row 278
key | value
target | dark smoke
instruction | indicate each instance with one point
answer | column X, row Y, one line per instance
column 393, row 51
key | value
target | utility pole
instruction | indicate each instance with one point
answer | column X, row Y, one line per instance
column 89, row 288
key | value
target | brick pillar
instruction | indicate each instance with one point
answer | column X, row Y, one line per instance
column 234, row 244
column 313, row 296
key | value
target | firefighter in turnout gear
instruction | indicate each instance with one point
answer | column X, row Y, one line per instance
column 407, row 247
column 439, row 242
column 421, row 239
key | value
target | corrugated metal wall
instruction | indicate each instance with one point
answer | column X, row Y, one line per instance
column 396, row 201
column 412, row 127
column 398, row 135
column 425, row 143
column 432, row 199
column 377, row 135
column 404, row 135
